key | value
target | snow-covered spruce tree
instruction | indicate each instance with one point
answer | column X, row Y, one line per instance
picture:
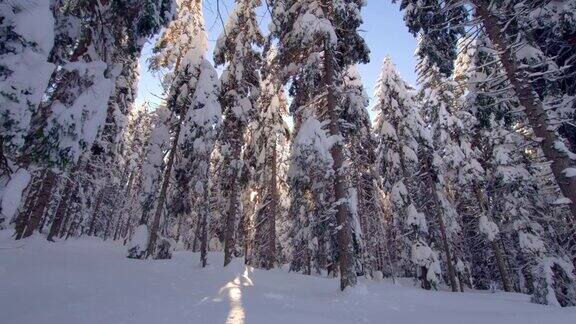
column 153, row 162
column 240, row 80
column 508, row 179
column 366, row 194
column 111, row 150
column 181, row 47
column 70, row 118
column 151, row 165
column 475, row 207
column 526, row 224
column 525, row 221
column 450, row 166
column 440, row 25
column 26, row 42
column 311, row 218
column 399, row 130
column 112, row 217
column 57, row 137
column 521, row 57
column 553, row 28
column 192, row 98
column 525, row 65
column 527, row 229
column 106, row 153
column 196, row 148
column 26, row 37
column 134, row 148
column 309, row 179
column 308, row 30
column 267, row 163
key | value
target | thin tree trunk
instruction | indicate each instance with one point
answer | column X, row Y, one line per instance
column 230, row 225
column 197, row 233
column 440, row 216
column 204, row 229
column 343, row 235
column 274, row 200
column 163, row 191
column 537, row 117
column 42, row 202
column 4, row 167
column 461, row 282
column 61, row 210
column 71, row 212
column 26, row 210
column 243, row 236
column 494, row 244
column 73, row 225
column 233, row 193
column 179, row 227
column 107, row 229
column 92, row 228
column 501, row 266
column 118, row 230
column 126, row 228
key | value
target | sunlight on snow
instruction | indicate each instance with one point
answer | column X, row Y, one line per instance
column 237, row 314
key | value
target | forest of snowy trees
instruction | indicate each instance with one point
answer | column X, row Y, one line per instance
column 465, row 180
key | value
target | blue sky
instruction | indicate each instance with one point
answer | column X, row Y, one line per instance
column 383, row 29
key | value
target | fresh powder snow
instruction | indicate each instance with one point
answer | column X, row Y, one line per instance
column 88, row 280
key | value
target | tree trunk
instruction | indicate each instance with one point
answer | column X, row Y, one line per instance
column 343, row 235
column 204, row 229
column 197, row 233
column 494, row 243
column 119, row 226
column 230, row 224
column 432, row 185
column 25, row 211
column 60, row 210
column 234, row 136
column 163, row 191
column 274, row 201
column 501, row 266
column 72, row 211
column 537, row 117
column 4, row 167
column 92, row 228
column 74, row 222
column 42, row 201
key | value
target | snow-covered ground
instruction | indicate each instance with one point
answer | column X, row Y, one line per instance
column 90, row 281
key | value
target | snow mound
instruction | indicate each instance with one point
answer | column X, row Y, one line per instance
column 137, row 246
column 90, row 281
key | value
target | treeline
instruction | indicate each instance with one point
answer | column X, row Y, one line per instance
column 466, row 181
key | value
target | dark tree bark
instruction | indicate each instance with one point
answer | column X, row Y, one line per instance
column 25, row 211
column 270, row 257
column 537, row 117
column 233, row 190
column 494, row 243
column 60, row 210
column 42, row 200
column 204, row 230
column 155, row 226
column 501, row 265
column 92, row 227
column 344, row 234
column 431, row 181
